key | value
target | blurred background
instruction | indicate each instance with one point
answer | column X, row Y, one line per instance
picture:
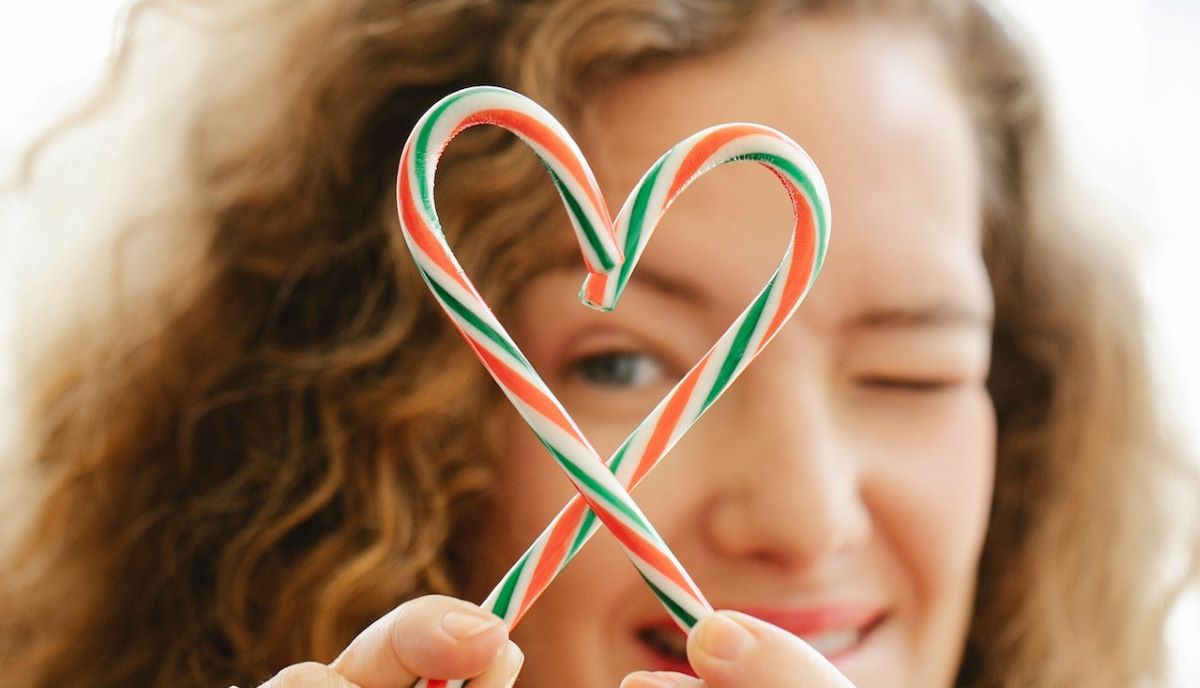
column 1124, row 74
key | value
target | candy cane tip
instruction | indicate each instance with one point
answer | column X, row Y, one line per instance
column 603, row 308
column 593, row 293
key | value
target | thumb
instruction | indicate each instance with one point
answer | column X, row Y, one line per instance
column 434, row 636
column 734, row 650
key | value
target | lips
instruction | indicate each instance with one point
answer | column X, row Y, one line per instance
column 667, row 647
column 835, row 632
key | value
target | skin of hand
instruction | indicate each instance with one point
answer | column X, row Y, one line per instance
column 428, row 636
column 443, row 636
column 733, row 650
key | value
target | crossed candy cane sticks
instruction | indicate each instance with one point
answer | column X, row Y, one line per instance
column 610, row 251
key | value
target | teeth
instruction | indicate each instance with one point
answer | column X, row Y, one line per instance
column 669, row 643
column 833, row 643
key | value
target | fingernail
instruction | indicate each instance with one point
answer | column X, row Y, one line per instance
column 644, row 679
column 722, row 637
column 513, row 659
column 464, row 625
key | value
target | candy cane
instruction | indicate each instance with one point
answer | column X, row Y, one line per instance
column 605, row 492
column 495, row 348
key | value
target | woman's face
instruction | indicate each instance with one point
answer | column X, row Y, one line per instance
column 840, row 488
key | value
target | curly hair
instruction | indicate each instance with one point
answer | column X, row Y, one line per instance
column 246, row 473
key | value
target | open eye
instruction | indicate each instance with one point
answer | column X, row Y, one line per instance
column 616, row 369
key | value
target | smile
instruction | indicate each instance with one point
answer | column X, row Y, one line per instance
column 833, row 632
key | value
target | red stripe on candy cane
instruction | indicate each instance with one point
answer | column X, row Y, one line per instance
column 422, row 235
column 703, row 151
column 803, row 261
column 525, row 390
column 651, row 554
column 670, row 420
column 545, row 137
column 556, row 547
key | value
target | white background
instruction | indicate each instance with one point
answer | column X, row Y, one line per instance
column 1126, row 75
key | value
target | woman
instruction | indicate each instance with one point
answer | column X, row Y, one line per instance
column 943, row 472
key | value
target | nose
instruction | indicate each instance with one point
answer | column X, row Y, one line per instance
column 789, row 489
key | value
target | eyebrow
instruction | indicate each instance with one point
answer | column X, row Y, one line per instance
column 932, row 315
column 938, row 314
column 651, row 277
column 668, row 285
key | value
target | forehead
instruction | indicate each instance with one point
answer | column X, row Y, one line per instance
column 872, row 102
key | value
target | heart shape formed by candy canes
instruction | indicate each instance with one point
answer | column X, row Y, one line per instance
column 610, row 251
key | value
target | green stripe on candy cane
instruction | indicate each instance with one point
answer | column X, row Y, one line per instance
column 634, row 532
column 582, row 221
column 595, row 486
column 637, row 221
column 739, row 346
column 602, row 256
column 478, row 323
column 505, row 592
column 678, row 613
column 810, row 190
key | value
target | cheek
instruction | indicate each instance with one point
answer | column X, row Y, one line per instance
column 930, row 490
column 530, row 489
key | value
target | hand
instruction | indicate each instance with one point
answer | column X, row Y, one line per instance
column 429, row 636
column 734, row 650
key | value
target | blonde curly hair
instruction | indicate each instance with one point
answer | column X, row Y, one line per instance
column 246, row 474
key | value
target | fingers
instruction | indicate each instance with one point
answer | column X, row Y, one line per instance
column 433, row 636
column 660, row 679
column 733, row 650
column 307, row 675
column 503, row 672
